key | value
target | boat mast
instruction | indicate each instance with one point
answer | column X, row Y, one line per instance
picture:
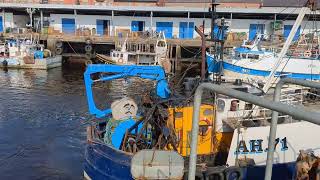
column 218, row 39
column 286, row 45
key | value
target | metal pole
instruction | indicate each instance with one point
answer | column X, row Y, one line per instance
column 221, row 50
column 213, row 17
column 41, row 21
column 274, row 120
column 296, row 112
column 274, row 24
column 4, row 20
column 194, row 133
column 189, row 24
column 203, row 50
column 112, row 31
column 272, row 135
column 151, row 20
column 285, row 48
column 203, row 53
column 76, row 21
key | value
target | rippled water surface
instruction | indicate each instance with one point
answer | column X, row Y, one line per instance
column 42, row 116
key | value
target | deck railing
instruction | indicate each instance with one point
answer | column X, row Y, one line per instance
column 296, row 112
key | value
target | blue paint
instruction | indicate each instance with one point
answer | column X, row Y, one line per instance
column 1, row 24
column 255, row 29
column 104, row 162
column 287, row 30
column 242, row 70
column 186, row 32
column 165, row 27
column 137, row 26
column 220, row 33
column 279, row 171
column 100, row 27
column 155, row 73
column 68, row 25
column 38, row 54
column 213, row 64
column 120, row 131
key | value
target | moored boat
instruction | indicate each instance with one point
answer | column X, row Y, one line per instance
column 25, row 54
column 256, row 63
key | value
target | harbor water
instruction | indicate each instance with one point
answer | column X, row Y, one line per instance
column 43, row 115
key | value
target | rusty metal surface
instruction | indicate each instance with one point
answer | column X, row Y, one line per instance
column 157, row 164
column 28, row 60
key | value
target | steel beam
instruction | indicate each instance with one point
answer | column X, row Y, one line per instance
column 112, row 29
column 76, row 21
column 41, row 21
column 285, row 48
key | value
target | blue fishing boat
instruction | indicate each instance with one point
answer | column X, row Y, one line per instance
column 104, row 156
column 123, row 132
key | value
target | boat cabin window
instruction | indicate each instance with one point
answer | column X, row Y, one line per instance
column 237, row 55
column 234, row 105
column 121, row 55
column 161, row 44
column 220, row 105
column 244, row 56
column 248, row 106
column 253, row 56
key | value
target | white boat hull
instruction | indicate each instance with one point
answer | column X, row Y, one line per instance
column 291, row 138
column 45, row 63
column 299, row 68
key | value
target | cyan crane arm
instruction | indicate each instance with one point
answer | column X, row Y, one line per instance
column 155, row 73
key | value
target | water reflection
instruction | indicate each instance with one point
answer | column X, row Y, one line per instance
column 42, row 135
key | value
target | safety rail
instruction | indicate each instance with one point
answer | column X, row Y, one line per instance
column 274, row 120
column 300, row 113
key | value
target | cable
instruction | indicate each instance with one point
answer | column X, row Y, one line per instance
column 72, row 47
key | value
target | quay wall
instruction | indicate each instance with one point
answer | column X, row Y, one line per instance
column 124, row 22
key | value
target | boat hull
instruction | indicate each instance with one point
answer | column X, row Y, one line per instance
column 298, row 68
column 105, row 162
column 44, row 64
column 279, row 172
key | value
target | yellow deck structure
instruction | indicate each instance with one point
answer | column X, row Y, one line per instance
column 209, row 142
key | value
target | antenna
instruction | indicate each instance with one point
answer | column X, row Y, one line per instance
column 218, row 37
column 30, row 11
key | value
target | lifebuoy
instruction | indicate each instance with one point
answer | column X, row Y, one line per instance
column 88, row 41
column 59, row 51
column 88, row 48
column 87, row 62
column 120, row 60
column 307, row 54
column 88, row 55
column 59, row 44
column 6, row 50
column 204, row 128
